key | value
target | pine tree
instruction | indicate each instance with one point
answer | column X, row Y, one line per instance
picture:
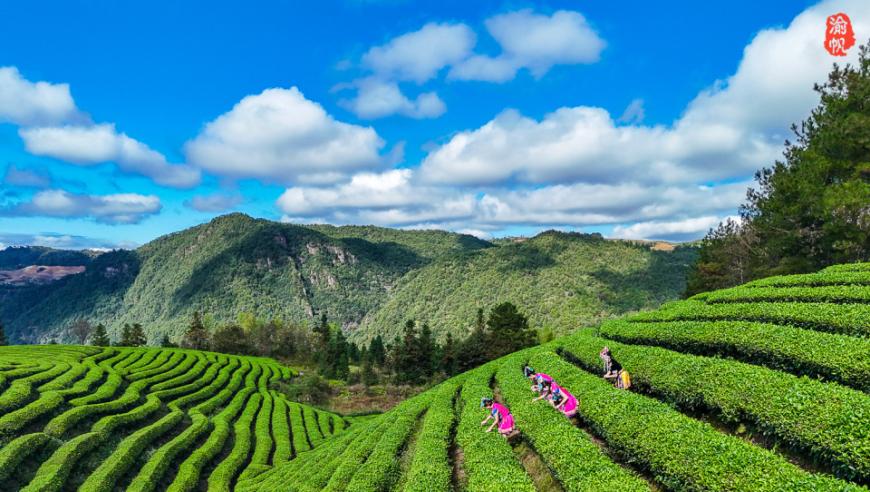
column 353, row 354
column 323, row 330
column 340, row 367
column 369, row 378
column 133, row 335
column 472, row 351
column 809, row 210
column 165, row 342
column 377, row 352
column 408, row 357
column 3, row 339
column 426, row 349
column 508, row 331
column 100, row 338
column 196, row 337
column 448, row 356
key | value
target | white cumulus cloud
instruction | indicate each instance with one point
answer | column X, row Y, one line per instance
column 52, row 126
column 122, row 208
column 670, row 230
column 34, row 103
column 727, row 132
column 376, row 98
column 528, row 40
column 419, row 55
column 533, row 41
column 95, row 144
column 280, row 136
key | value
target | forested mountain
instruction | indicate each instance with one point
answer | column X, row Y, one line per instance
column 15, row 257
column 561, row 281
column 368, row 279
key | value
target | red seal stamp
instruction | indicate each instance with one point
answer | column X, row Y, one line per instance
column 839, row 36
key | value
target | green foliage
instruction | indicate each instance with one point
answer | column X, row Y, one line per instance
column 381, row 470
column 430, row 467
column 839, row 358
column 100, row 338
column 195, row 337
column 12, row 454
column 377, row 352
column 507, row 331
column 558, row 280
column 230, row 339
column 682, row 453
column 653, row 429
column 231, row 265
column 145, row 394
column 827, row 293
column 132, row 336
column 828, row 422
column 809, row 211
column 578, row 463
column 367, row 278
column 15, row 257
column 412, row 358
column 223, row 475
column 338, row 364
column 309, row 387
column 3, row 339
column 847, row 319
column 490, row 464
column 472, row 351
column 281, row 426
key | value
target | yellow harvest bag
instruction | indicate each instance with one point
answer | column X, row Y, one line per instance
column 624, row 380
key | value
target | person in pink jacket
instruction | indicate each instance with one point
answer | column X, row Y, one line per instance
column 545, row 391
column 500, row 416
column 538, row 379
column 564, row 401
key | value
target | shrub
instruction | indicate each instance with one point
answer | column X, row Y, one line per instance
column 828, row 356
column 430, row 466
column 682, row 453
column 16, row 451
column 490, row 464
column 846, row 319
column 828, row 421
column 575, row 460
column 827, row 293
column 222, row 476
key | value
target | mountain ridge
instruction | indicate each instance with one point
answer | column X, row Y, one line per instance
column 235, row 263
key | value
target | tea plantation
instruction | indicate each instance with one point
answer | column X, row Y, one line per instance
column 763, row 387
column 757, row 388
column 87, row 418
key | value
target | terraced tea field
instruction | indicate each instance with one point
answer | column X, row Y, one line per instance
column 757, row 388
column 93, row 419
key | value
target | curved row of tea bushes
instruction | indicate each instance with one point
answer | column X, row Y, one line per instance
column 846, row 319
column 828, row 421
column 430, row 468
column 576, row 462
column 829, row 293
column 490, row 463
column 827, row 356
column 680, row 452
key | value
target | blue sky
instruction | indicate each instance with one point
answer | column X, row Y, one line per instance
column 124, row 121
